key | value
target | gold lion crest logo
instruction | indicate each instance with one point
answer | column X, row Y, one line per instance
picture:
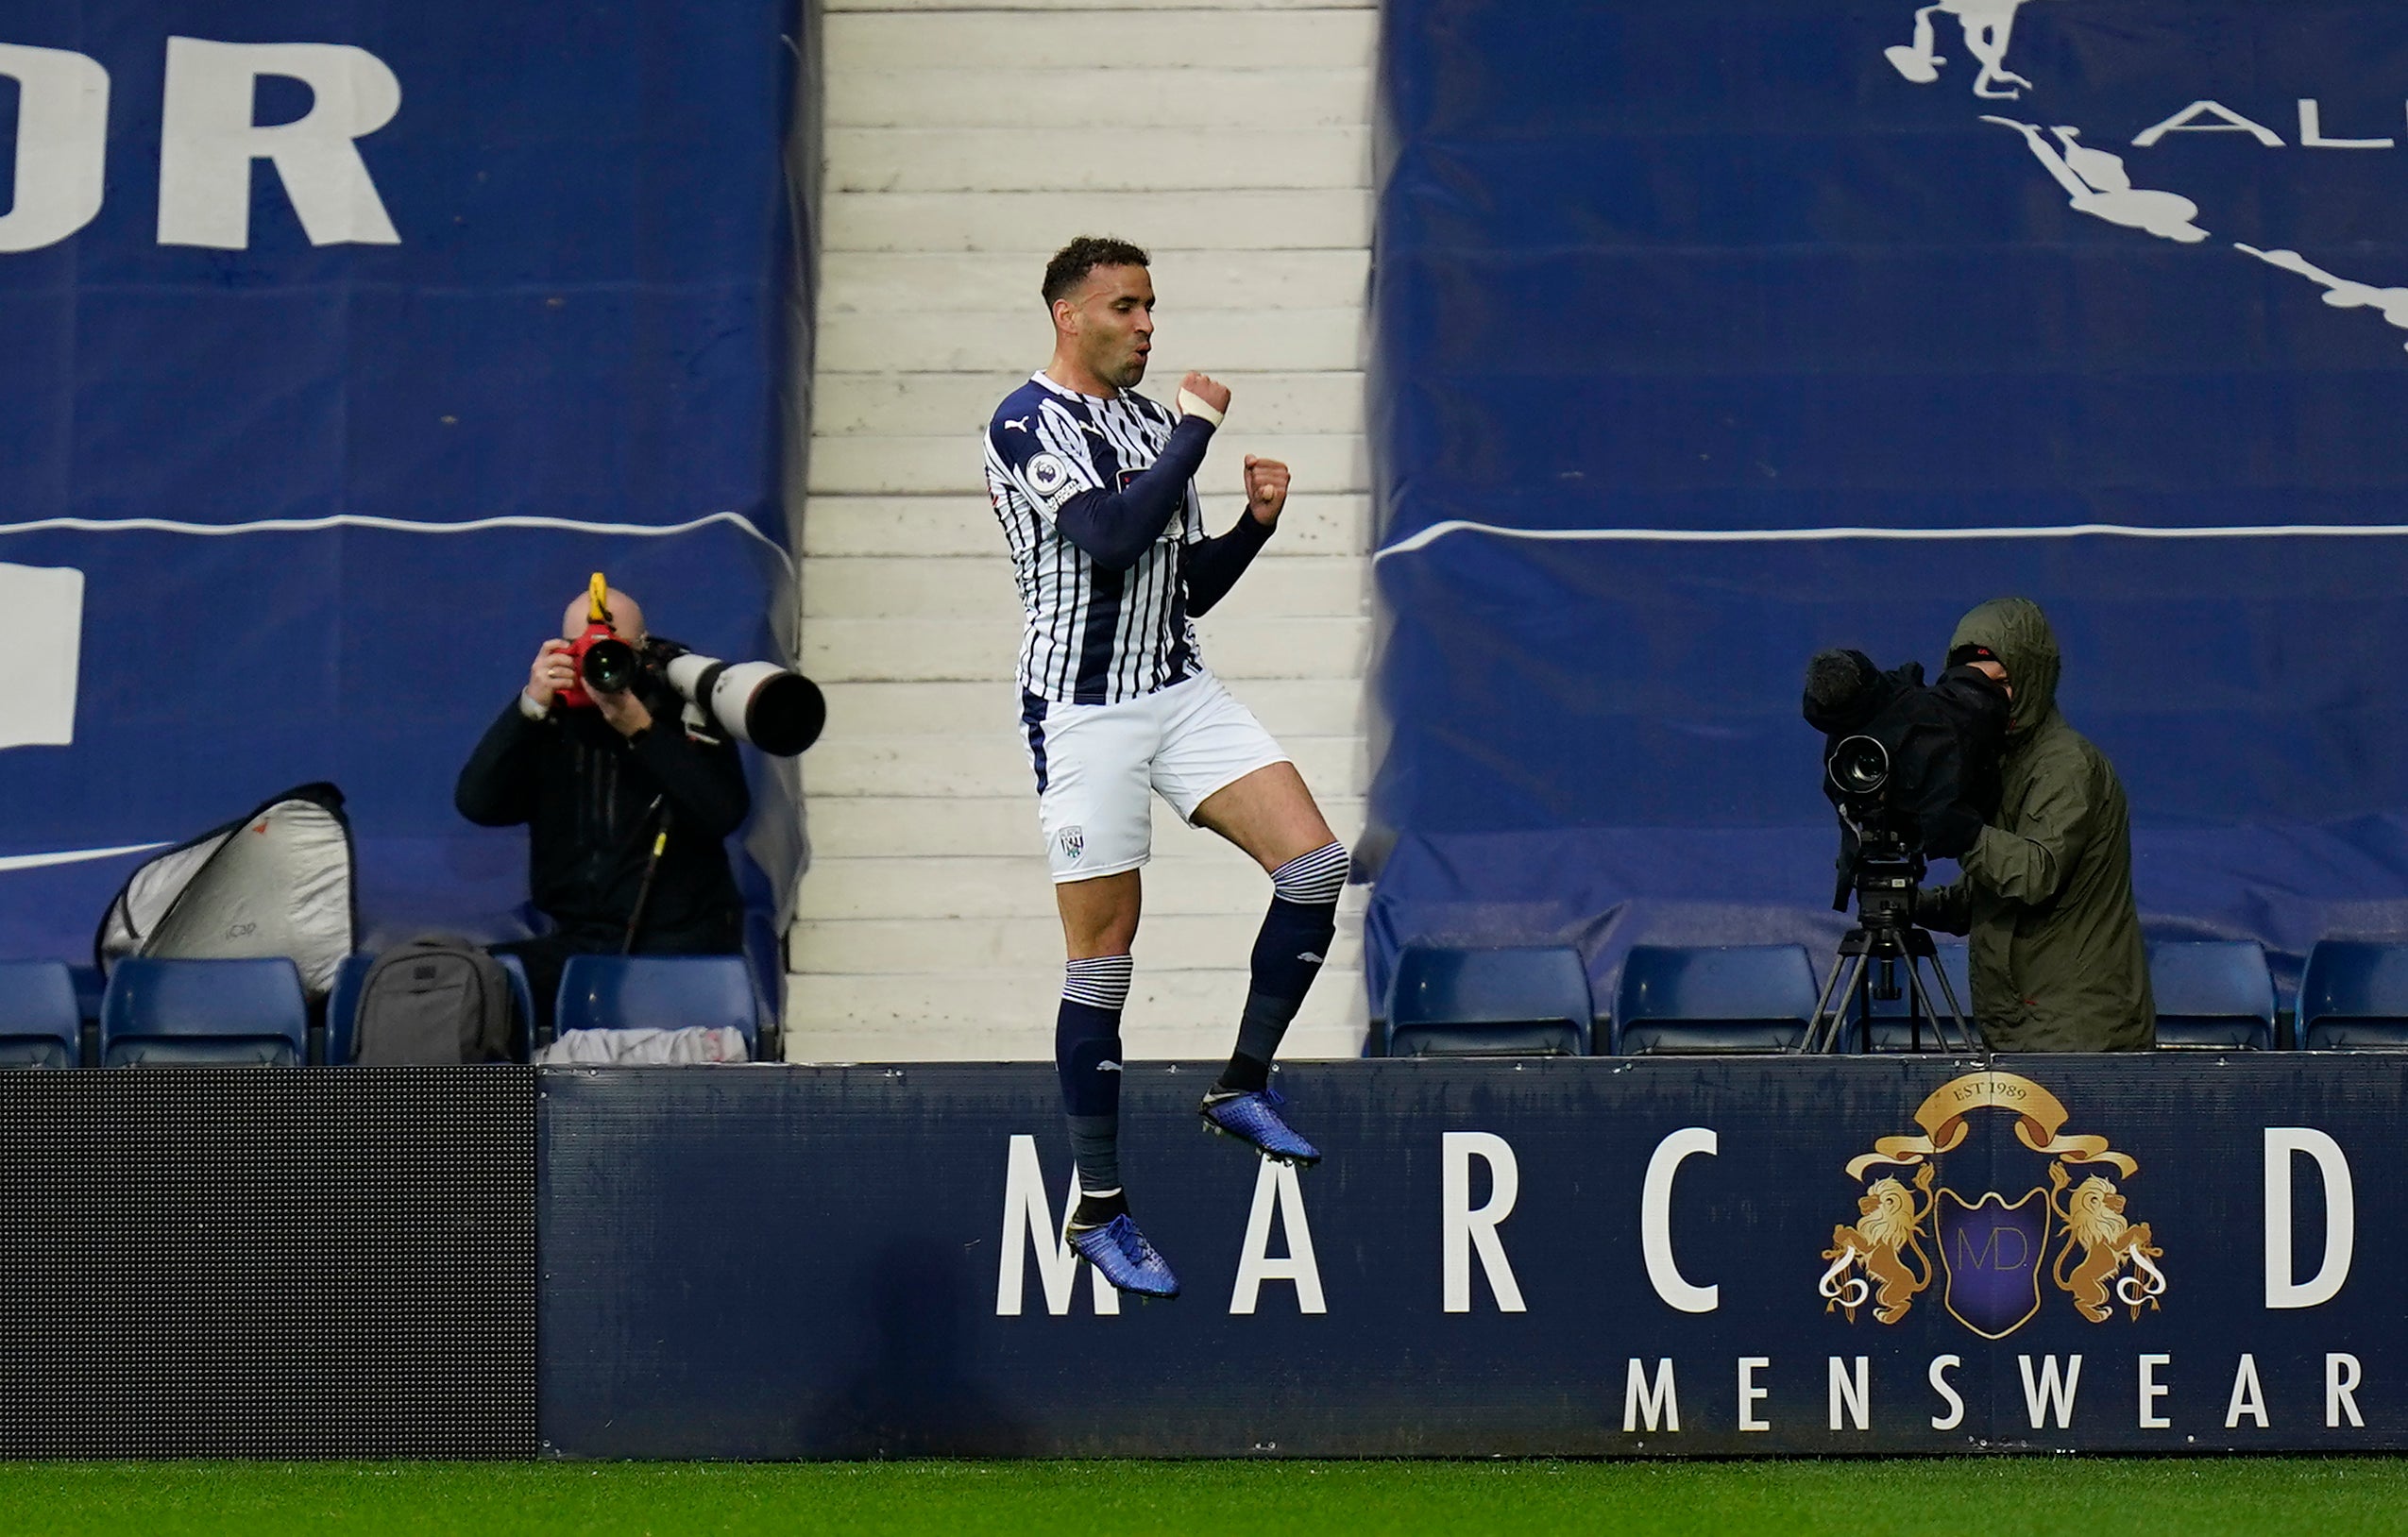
column 1992, row 1253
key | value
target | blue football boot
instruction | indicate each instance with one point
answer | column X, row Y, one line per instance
column 1126, row 1260
column 1250, row 1118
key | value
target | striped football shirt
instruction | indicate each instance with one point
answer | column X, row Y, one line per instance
column 1093, row 636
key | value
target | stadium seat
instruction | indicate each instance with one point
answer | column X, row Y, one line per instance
column 203, row 1013
column 657, row 993
column 1504, row 1001
column 1887, row 1028
column 343, row 1012
column 40, row 1027
column 2353, row 996
column 1734, row 998
column 2213, row 996
column 522, row 1005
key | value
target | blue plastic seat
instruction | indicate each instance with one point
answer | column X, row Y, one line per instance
column 2353, row 996
column 343, row 1009
column 2214, row 995
column 1885, row 1018
column 657, row 993
column 40, row 1025
column 1529, row 1001
column 1731, row 998
column 203, row 1013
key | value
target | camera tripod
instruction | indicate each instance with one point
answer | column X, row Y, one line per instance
column 1886, row 881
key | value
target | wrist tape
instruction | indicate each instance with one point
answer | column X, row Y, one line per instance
column 1191, row 404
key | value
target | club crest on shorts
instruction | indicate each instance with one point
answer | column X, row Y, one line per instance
column 1993, row 1250
column 1073, row 842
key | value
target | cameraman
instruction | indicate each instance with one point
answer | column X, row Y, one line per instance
column 2046, row 893
column 598, row 787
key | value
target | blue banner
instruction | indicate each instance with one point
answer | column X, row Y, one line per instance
column 343, row 344
column 1579, row 1255
column 1711, row 336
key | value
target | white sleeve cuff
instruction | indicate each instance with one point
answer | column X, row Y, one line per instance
column 528, row 707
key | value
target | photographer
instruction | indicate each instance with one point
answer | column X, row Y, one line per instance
column 2046, row 894
column 600, row 786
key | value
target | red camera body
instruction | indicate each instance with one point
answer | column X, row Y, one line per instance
column 603, row 662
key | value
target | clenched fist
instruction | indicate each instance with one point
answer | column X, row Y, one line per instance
column 1267, row 489
column 1207, row 389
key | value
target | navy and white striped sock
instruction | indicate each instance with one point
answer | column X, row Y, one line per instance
column 1087, row 1057
column 1288, row 952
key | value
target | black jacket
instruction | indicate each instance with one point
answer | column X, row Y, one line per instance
column 592, row 802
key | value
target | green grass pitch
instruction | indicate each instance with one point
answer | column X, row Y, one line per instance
column 1983, row 1497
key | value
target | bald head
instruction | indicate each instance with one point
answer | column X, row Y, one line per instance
column 626, row 617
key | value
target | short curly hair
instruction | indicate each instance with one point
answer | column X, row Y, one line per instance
column 1073, row 261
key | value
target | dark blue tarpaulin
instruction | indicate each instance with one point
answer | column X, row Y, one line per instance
column 506, row 263
column 1711, row 336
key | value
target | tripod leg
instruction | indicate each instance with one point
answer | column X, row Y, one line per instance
column 1822, row 1031
column 1965, row 1030
column 1807, row 1044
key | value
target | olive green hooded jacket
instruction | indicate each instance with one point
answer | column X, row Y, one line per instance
column 2046, row 897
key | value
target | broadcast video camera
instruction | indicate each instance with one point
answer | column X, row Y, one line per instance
column 1912, row 770
column 775, row 709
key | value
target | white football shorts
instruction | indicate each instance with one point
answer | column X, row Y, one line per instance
column 1097, row 764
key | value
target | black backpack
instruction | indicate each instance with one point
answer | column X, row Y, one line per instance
column 431, row 1002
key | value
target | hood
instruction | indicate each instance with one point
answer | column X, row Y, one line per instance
column 2019, row 633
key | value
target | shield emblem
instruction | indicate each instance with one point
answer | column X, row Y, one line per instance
column 1993, row 1252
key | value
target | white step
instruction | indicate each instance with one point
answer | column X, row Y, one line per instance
column 900, row 827
column 971, row 886
column 1039, row 224
column 991, row 758
column 970, row 650
column 963, row 405
column 1167, row 942
column 989, row 1000
column 1033, row 1042
column 1084, row 159
column 1207, row 37
column 955, row 463
column 1286, row 706
column 889, row 282
column 933, row 341
column 962, row 523
column 1067, row 98
column 879, row 587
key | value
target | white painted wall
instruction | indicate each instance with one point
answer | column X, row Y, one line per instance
column 963, row 144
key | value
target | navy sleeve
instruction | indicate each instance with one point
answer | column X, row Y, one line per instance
column 1213, row 565
column 1115, row 528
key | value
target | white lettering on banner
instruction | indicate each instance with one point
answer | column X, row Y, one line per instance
column 1275, row 1191
column 1940, row 1367
column 41, row 626
column 1852, row 1394
column 207, row 142
column 1465, row 1230
column 2284, row 1144
column 1659, row 1402
column 2248, row 1395
column 1029, row 1222
column 62, row 145
column 2311, row 131
column 2187, row 121
column 1749, row 1393
column 1655, row 1221
column 2052, row 1391
column 2152, row 1391
column 2341, row 1378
